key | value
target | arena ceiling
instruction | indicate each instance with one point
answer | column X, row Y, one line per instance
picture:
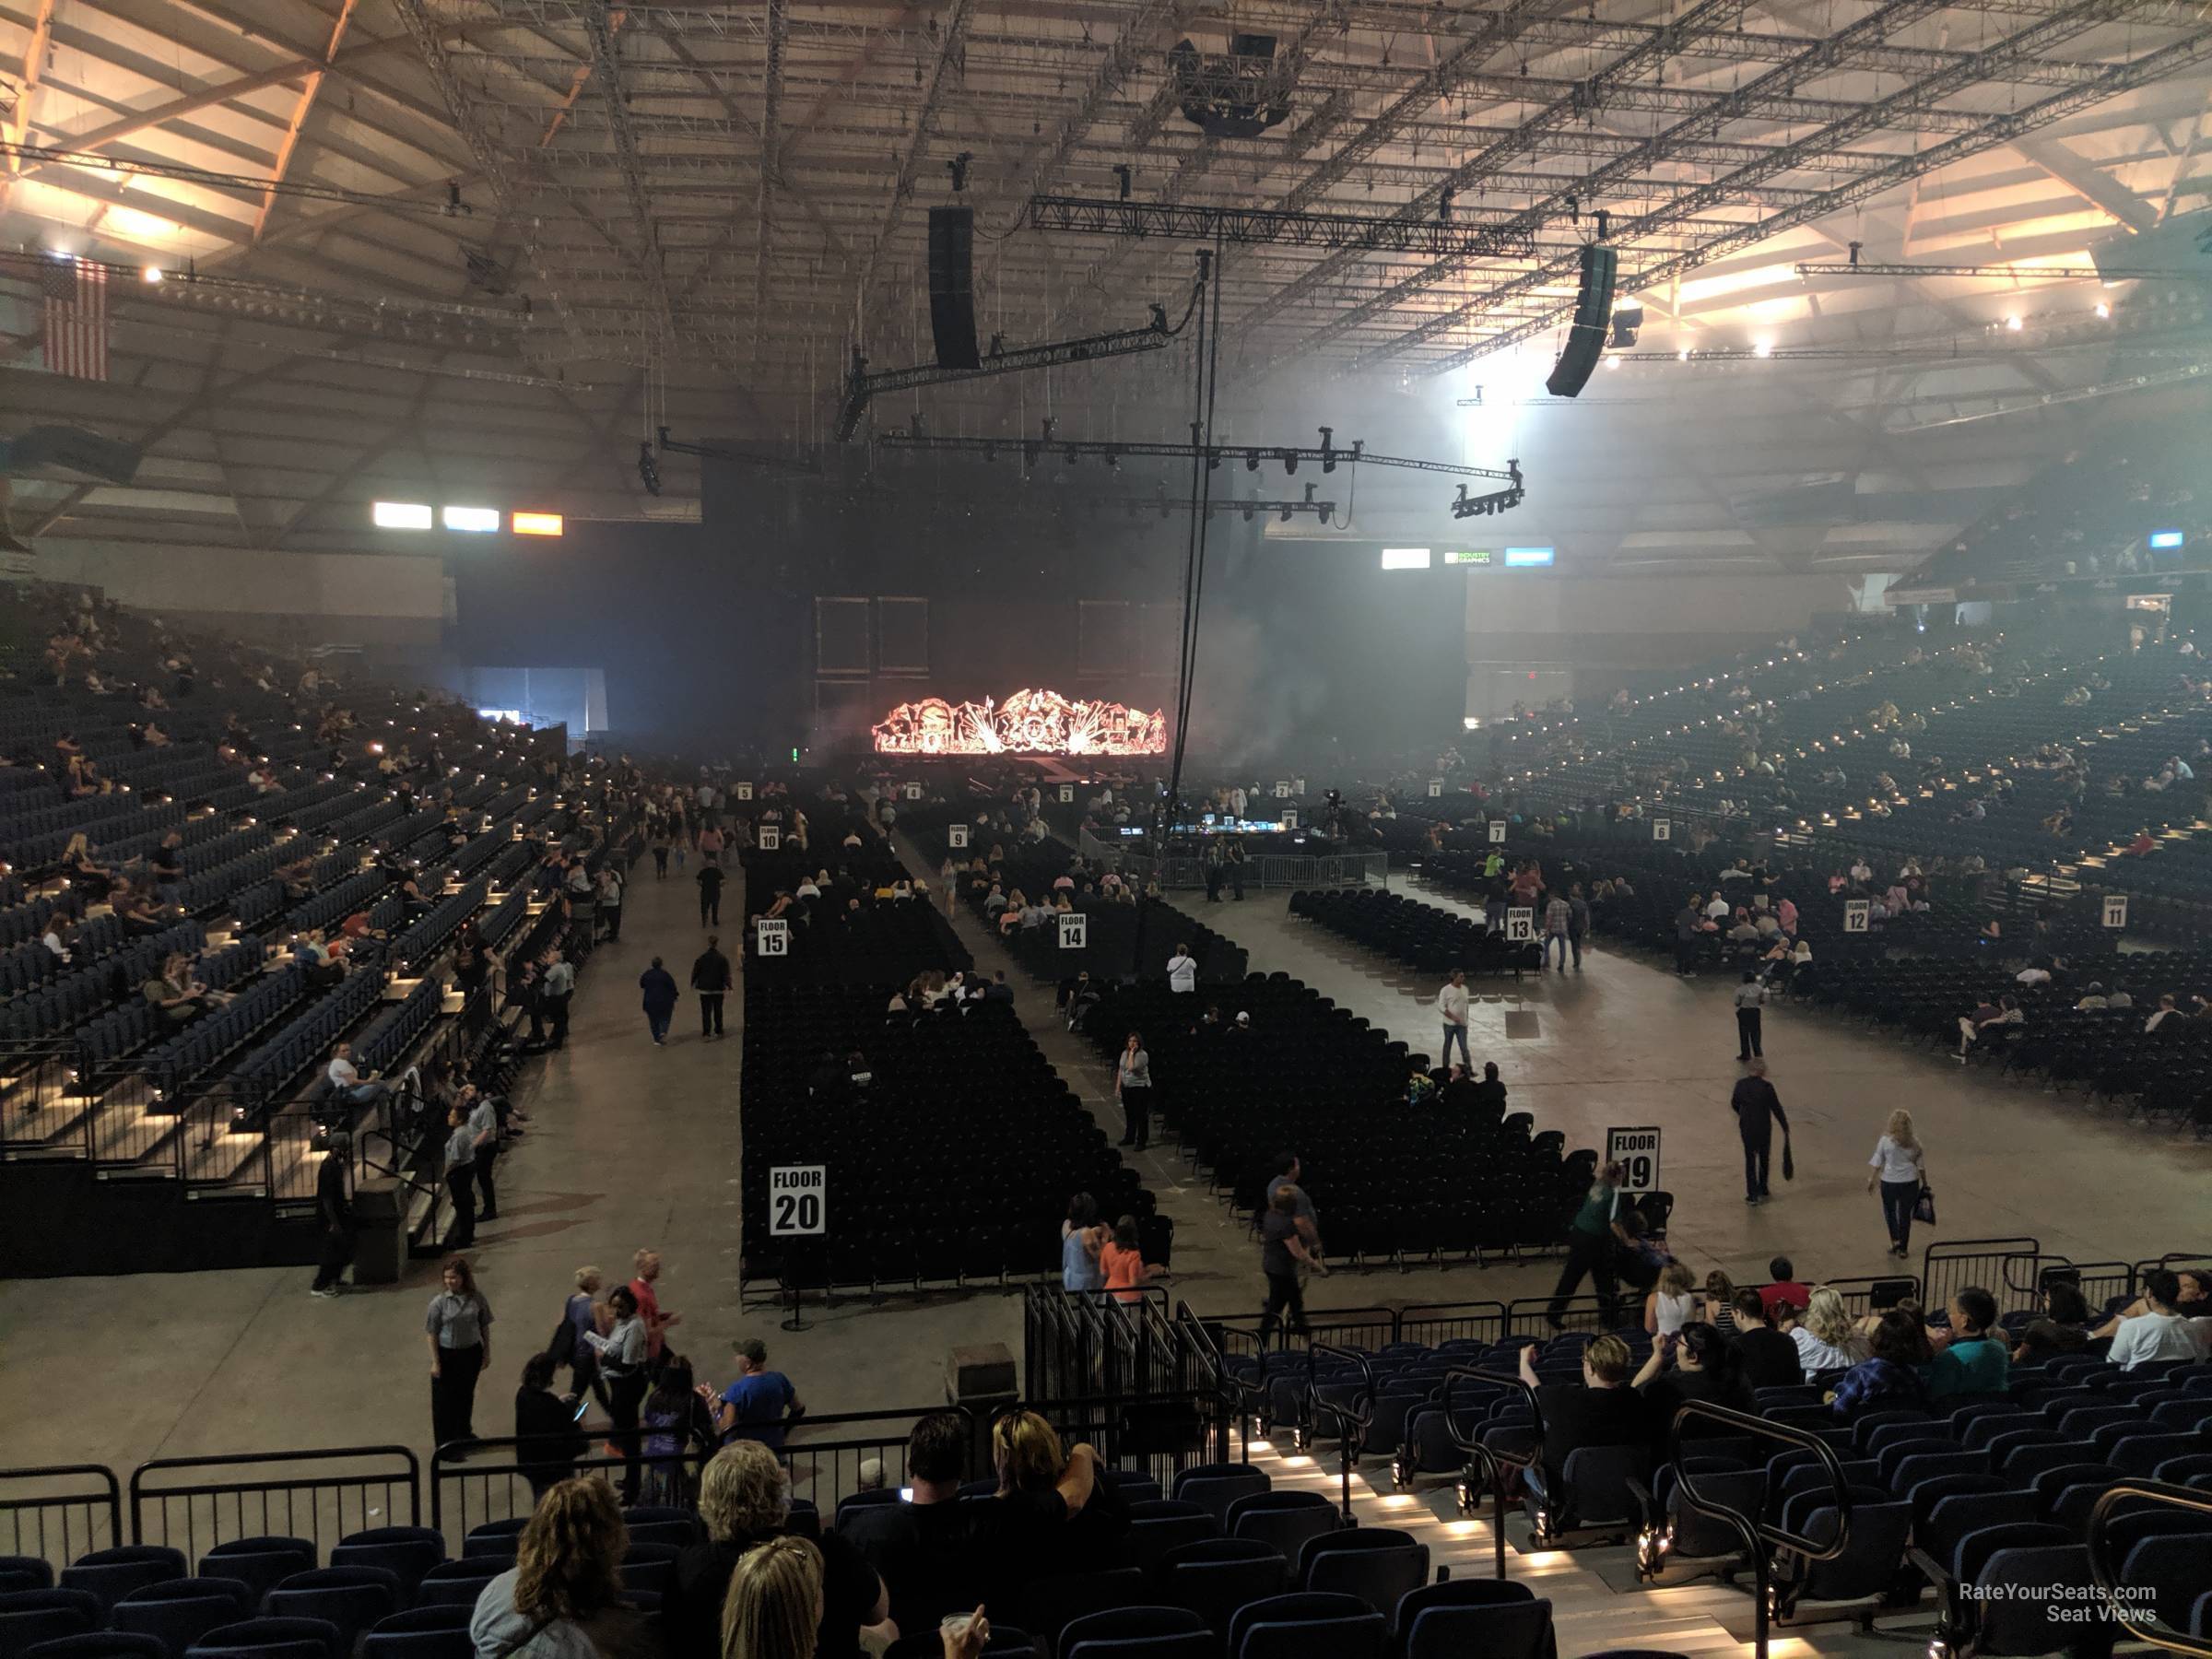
column 407, row 246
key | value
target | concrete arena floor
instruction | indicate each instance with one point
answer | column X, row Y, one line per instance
column 630, row 1147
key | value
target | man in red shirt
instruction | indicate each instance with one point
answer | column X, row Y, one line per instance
column 647, row 1264
column 1785, row 1287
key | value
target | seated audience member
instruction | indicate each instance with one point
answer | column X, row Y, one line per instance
column 1823, row 1333
column 761, row 1403
column 744, row 1501
column 775, row 1596
column 1051, row 1515
column 2195, row 1303
column 2063, row 1329
column 919, row 1547
column 562, row 1598
column 179, row 997
column 2161, row 1331
column 1770, row 1359
column 1602, row 1411
column 1976, row 1360
column 1705, row 1366
column 1783, row 1288
column 1893, row 1374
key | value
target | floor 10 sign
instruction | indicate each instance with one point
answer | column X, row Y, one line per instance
column 797, row 1200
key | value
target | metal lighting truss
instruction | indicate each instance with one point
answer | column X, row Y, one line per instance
column 2015, row 273
column 1266, row 225
column 2191, row 49
column 1328, row 453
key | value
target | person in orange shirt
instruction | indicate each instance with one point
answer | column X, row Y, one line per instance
column 647, row 1265
column 1124, row 1265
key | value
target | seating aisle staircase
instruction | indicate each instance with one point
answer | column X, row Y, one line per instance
column 1596, row 1599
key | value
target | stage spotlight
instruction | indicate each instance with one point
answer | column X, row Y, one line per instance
column 1248, row 515
column 1251, row 464
column 648, row 472
column 1627, row 320
column 1286, row 511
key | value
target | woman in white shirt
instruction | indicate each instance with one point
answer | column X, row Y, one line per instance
column 1825, row 1339
column 1672, row 1302
column 1901, row 1166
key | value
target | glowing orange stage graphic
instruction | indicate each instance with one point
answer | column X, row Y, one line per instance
column 1029, row 722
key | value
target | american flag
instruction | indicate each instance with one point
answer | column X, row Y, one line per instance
column 77, row 316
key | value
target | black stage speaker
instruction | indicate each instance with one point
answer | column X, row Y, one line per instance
column 951, row 299
column 1592, row 310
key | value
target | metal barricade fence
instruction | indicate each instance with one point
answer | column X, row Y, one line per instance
column 59, row 1513
column 1947, row 1268
column 1431, row 1324
column 1269, row 870
column 193, row 1503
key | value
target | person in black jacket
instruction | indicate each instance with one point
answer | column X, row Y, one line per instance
column 1758, row 1108
column 709, row 894
column 334, row 1208
column 544, row 1423
column 1765, row 1357
column 711, row 979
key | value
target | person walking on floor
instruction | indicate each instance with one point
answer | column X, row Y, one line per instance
column 709, row 894
column 1133, row 1088
column 1751, row 996
column 1283, row 1250
column 1592, row 1238
column 1452, row 1004
column 710, row 980
column 458, row 1330
column 660, row 850
column 1558, row 923
column 460, row 1177
column 1578, row 922
column 334, row 1208
column 624, row 1368
column 656, row 987
column 1901, row 1166
column 560, row 985
column 1758, row 1108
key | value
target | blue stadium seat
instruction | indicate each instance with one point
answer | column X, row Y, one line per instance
column 458, row 1583
column 1308, row 1627
column 406, row 1552
column 432, row 1633
column 352, row 1598
column 1214, row 1487
column 1213, row 1577
column 98, row 1644
column 111, row 1575
column 270, row 1639
column 261, row 1564
column 1496, row 1617
column 30, row 1617
column 180, row 1611
column 1284, row 1521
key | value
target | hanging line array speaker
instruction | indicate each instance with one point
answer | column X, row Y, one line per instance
column 951, row 295
column 1593, row 311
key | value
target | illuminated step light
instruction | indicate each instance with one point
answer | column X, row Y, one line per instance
column 2164, row 539
column 1527, row 556
column 534, row 524
column 1406, row 559
column 401, row 516
column 477, row 521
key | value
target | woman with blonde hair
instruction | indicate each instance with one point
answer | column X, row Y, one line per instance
column 745, row 1502
column 1051, row 1513
column 1902, row 1166
column 1671, row 1304
column 1825, row 1336
column 562, row 1598
column 775, row 1603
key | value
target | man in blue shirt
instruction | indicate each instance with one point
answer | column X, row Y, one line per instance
column 761, row 1403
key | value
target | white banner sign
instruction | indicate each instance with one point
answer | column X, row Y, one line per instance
column 1496, row 832
column 745, row 792
column 1067, row 794
column 798, row 1200
column 2115, row 910
column 1662, row 829
column 1075, row 931
column 1282, row 789
column 1855, row 912
column 1289, row 818
column 1520, row 925
column 1436, row 788
column 775, row 938
column 771, row 838
column 1636, row 1153
column 956, row 835
column 914, row 792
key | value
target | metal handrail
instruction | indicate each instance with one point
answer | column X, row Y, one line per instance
column 1234, row 1396
column 1758, row 1537
column 1486, row 1461
column 1352, row 1423
column 2108, row 1582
